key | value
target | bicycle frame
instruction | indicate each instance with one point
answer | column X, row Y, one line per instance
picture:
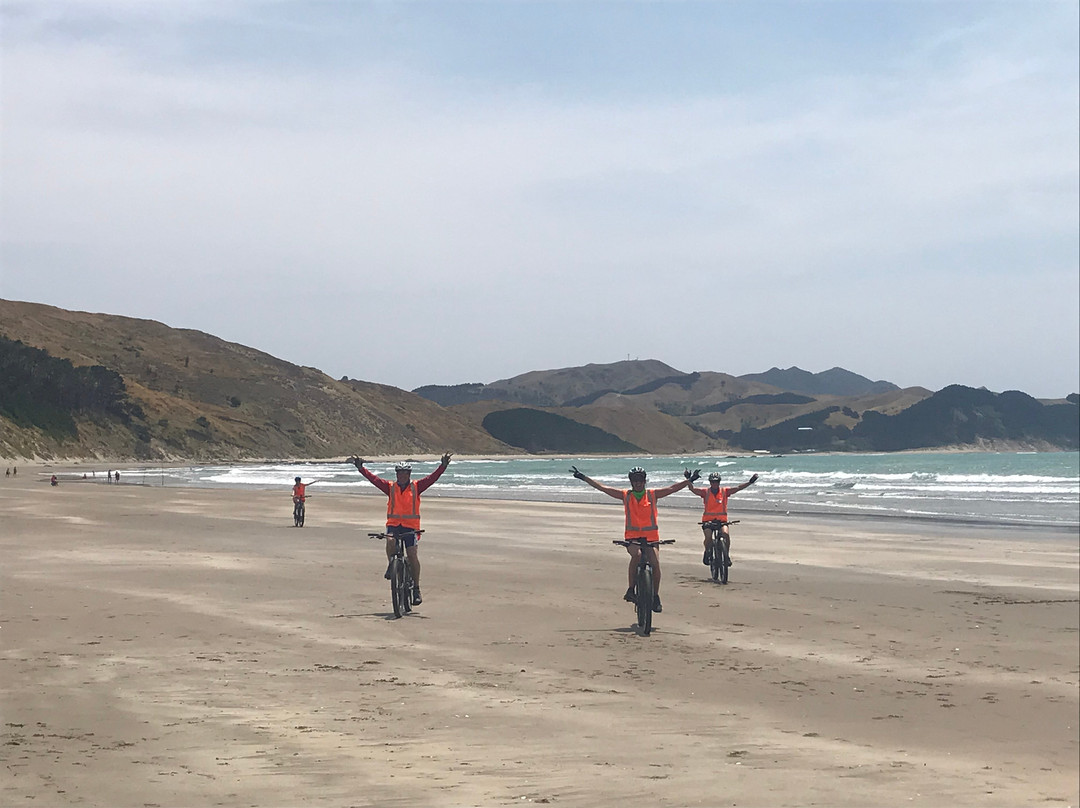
column 721, row 560
column 401, row 578
column 643, row 580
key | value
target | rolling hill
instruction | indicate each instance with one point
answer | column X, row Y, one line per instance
column 76, row 384
column 192, row 395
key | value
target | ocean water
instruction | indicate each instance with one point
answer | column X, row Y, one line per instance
column 1038, row 489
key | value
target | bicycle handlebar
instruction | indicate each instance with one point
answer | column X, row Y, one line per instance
column 628, row 542
column 394, row 535
column 713, row 522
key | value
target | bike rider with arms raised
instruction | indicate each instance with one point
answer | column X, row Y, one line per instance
column 403, row 511
column 639, row 505
column 716, row 499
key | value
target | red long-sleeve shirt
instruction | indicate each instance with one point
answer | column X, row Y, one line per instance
column 421, row 485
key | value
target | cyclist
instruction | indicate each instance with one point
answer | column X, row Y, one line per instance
column 639, row 504
column 299, row 491
column 403, row 511
column 716, row 499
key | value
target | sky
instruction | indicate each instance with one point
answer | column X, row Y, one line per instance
column 444, row 192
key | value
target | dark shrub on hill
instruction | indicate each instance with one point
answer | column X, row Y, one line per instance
column 539, row 431
column 42, row 391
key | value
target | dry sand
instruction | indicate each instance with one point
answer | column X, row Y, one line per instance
column 176, row 647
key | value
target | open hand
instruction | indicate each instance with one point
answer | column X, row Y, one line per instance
column 753, row 479
column 577, row 474
column 693, row 475
column 446, row 458
column 356, row 461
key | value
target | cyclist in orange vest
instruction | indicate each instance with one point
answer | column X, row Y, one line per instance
column 716, row 499
column 639, row 505
column 299, row 491
column 403, row 511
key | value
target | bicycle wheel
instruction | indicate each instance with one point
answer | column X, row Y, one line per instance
column 300, row 516
column 397, row 587
column 644, row 599
column 716, row 561
column 407, row 587
column 725, row 560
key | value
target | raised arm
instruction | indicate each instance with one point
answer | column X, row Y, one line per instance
column 424, row 484
column 611, row 492
column 374, row 479
column 747, row 484
column 671, row 489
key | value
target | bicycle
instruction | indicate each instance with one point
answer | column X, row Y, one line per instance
column 298, row 513
column 643, row 581
column 719, row 557
column 401, row 578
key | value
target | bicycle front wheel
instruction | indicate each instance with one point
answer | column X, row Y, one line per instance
column 397, row 587
column 644, row 599
column 406, row 588
column 716, row 562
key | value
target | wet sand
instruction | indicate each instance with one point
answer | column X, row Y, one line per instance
column 183, row 647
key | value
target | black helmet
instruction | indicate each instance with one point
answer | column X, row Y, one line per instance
column 714, row 477
column 637, row 471
column 298, row 479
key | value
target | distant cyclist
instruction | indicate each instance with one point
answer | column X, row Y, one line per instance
column 716, row 499
column 639, row 505
column 403, row 511
column 299, row 491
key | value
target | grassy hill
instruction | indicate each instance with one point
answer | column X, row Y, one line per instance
column 196, row 396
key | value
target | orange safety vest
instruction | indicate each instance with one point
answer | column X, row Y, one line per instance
column 299, row 491
column 716, row 504
column 640, row 516
column 403, row 507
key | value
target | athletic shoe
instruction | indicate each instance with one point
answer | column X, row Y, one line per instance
column 389, row 570
column 656, row 605
column 629, row 596
column 707, row 558
column 416, row 599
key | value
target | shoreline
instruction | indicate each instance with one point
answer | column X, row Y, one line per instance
column 849, row 514
column 1001, row 448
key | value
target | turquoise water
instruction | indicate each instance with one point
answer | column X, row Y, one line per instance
column 1016, row 488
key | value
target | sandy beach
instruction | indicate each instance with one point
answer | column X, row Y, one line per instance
column 184, row 647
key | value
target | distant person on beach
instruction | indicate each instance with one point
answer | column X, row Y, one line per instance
column 299, row 491
column 110, row 475
column 716, row 499
column 403, row 511
column 54, row 481
column 639, row 504
column 116, row 476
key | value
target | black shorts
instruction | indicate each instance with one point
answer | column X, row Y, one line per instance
column 398, row 530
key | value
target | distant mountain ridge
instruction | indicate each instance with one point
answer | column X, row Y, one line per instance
column 77, row 384
column 833, row 382
column 664, row 410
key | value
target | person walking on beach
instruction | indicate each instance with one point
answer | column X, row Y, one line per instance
column 403, row 511
column 639, row 505
column 716, row 499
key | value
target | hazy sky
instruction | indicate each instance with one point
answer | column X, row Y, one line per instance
column 440, row 192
